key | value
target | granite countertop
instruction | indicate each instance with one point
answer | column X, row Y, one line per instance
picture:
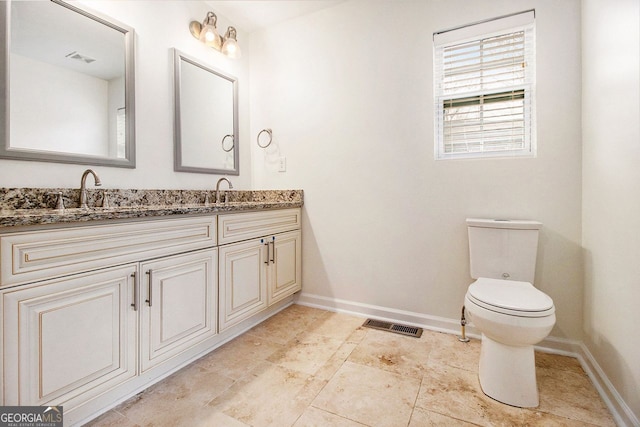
column 31, row 206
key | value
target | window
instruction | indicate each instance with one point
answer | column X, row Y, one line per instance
column 484, row 78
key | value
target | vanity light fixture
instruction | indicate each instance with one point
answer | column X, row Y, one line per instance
column 230, row 46
column 207, row 33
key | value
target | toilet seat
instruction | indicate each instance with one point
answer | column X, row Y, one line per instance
column 510, row 297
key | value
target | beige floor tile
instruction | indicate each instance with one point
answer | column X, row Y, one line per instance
column 307, row 353
column 394, row 353
column 358, row 335
column 448, row 350
column 206, row 417
column 534, row 418
column 336, row 325
column 571, row 395
column 456, row 393
column 173, row 399
column 556, row 361
column 268, row 396
column 111, row 419
column 156, row 409
column 314, row 417
column 201, row 416
column 336, row 361
column 239, row 356
column 194, row 383
column 303, row 310
column 423, row 418
column 285, row 325
column 316, row 368
column 368, row 395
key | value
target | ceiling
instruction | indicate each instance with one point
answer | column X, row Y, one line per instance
column 252, row 15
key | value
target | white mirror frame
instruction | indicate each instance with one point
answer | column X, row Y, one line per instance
column 6, row 152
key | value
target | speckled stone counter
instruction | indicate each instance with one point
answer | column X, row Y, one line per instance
column 37, row 206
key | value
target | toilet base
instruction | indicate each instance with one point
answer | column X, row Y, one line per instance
column 508, row 374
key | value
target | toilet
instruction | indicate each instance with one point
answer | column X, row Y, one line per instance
column 506, row 308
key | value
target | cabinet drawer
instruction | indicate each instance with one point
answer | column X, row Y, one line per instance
column 38, row 255
column 243, row 226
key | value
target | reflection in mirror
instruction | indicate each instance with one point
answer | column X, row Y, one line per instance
column 66, row 82
column 206, row 118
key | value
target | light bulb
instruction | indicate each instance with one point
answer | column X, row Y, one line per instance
column 209, row 34
column 230, row 46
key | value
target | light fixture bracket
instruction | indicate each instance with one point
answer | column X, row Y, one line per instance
column 195, row 28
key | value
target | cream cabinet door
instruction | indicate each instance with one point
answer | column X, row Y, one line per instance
column 178, row 304
column 285, row 273
column 243, row 281
column 68, row 340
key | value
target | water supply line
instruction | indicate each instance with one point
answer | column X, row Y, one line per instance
column 463, row 322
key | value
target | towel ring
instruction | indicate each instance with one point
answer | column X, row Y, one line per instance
column 233, row 143
column 270, row 133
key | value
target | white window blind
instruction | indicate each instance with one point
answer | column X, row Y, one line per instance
column 484, row 90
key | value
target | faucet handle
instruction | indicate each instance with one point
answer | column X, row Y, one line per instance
column 105, row 200
column 59, row 200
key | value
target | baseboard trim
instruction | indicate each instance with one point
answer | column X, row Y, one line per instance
column 622, row 414
column 434, row 323
column 556, row 345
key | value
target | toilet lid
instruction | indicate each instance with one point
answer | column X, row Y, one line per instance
column 511, row 297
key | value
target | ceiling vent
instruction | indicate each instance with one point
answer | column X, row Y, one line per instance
column 80, row 57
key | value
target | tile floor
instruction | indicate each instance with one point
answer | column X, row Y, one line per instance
column 309, row 367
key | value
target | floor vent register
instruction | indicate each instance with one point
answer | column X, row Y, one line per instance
column 393, row 327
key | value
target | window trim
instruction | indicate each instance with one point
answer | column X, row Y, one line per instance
column 518, row 22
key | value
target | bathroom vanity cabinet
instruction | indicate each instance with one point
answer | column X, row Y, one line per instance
column 259, row 262
column 95, row 313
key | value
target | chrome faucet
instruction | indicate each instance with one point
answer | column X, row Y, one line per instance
column 218, row 188
column 83, row 187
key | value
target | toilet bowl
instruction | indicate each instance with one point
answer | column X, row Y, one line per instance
column 504, row 306
column 512, row 316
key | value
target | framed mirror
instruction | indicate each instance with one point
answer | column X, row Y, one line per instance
column 66, row 85
column 206, row 118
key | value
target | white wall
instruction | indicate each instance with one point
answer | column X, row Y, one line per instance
column 159, row 26
column 348, row 93
column 611, row 190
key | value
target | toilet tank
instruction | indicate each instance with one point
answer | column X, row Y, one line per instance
column 503, row 249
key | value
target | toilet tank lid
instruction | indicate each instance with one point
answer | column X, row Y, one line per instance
column 518, row 224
